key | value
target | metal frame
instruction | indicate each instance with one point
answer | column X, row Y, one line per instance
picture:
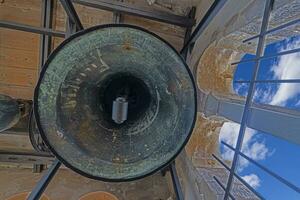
column 214, row 9
column 243, row 126
column 72, row 14
column 249, row 105
column 74, row 24
column 176, row 182
column 31, row 29
column 46, row 18
column 26, row 157
column 44, row 181
column 125, row 8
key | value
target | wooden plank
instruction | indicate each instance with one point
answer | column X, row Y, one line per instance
column 16, row 143
column 33, row 5
column 88, row 16
column 56, row 41
column 17, row 91
column 11, row 57
column 28, row 158
column 18, row 76
column 27, row 11
column 155, row 26
column 19, row 40
column 91, row 16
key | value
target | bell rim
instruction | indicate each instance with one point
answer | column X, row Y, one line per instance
column 65, row 162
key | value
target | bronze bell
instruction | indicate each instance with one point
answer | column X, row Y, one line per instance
column 115, row 102
column 9, row 112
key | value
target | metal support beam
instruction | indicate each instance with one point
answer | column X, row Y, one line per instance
column 45, row 180
column 72, row 14
column 239, row 178
column 38, row 168
column 291, row 23
column 117, row 18
column 70, row 27
column 267, row 56
column 27, row 158
column 208, row 17
column 272, row 81
column 188, row 31
column 31, row 29
column 125, row 8
column 278, row 177
column 223, row 187
column 175, row 181
column 46, row 18
column 246, row 112
column 283, row 122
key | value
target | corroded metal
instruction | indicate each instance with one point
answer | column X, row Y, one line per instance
column 34, row 135
column 76, row 90
column 9, row 112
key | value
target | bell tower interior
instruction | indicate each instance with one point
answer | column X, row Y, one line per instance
column 149, row 99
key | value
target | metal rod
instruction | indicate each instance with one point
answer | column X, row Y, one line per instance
column 239, row 178
column 125, row 8
column 33, row 154
column 45, row 41
column 188, row 32
column 117, row 17
column 274, row 29
column 279, row 178
column 246, row 111
column 209, row 15
column 44, row 181
column 31, row 29
column 72, row 14
column 175, row 181
column 268, row 56
column 271, row 81
column 223, row 187
column 70, row 27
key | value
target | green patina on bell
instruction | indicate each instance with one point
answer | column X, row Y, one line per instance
column 9, row 112
column 81, row 81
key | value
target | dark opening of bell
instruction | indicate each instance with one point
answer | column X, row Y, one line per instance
column 126, row 85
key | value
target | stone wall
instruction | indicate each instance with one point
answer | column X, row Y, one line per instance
column 211, row 58
column 219, row 46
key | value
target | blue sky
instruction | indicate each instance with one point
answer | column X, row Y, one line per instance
column 278, row 155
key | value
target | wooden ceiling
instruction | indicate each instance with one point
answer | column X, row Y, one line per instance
column 19, row 51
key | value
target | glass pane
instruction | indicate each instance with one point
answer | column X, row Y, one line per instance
column 229, row 135
column 286, row 95
column 266, row 185
column 277, row 155
column 284, row 66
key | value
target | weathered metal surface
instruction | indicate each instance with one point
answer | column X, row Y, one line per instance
column 9, row 112
column 76, row 89
column 35, row 136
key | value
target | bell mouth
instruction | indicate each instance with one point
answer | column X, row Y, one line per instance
column 129, row 87
column 76, row 89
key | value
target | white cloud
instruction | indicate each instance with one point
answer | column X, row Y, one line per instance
column 287, row 68
column 253, row 180
column 264, row 95
column 254, row 149
column 241, row 89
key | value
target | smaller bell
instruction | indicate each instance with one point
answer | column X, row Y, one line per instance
column 9, row 112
